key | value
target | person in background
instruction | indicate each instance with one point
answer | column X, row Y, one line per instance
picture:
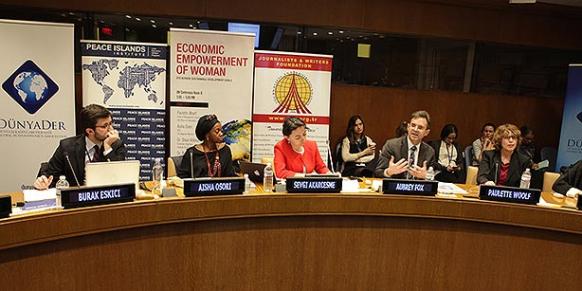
column 357, row 149
column 99, row 142
column 449, row 155
column 212, row 157
column 407, row 156
column 504, row 165
column 570, row 182
column 483, row 143
column 402, row 129
column 296, row 156
column 527, row 146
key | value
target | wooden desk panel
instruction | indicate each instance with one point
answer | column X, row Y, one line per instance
column 295, row 242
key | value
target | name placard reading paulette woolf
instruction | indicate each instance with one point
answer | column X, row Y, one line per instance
column 509, row 194
column 213, row 186
column 409, row 187
column 88, row 196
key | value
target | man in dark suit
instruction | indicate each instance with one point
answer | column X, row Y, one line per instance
column 407, row 156
column 99, row 143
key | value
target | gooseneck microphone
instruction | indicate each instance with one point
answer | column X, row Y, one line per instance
column 496, row 171
column 330, row 156
column 191, row 165
column 72, row 170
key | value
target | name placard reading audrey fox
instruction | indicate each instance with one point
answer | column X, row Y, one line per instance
column 409, row 187
column 509, row 194
column 213, row 186
column 314, row 185
column 88, row 196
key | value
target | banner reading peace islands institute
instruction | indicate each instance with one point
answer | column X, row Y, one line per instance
column 130, row 80
column 37, row 98
column 211, row 72
column 570, row 148
column 290, row 84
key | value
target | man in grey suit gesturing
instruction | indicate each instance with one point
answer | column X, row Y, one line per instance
column 407, row 157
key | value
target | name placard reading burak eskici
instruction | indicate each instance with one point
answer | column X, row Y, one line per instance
column 314, row 184
column 409, row 187
column 96, row 195
column 509, row 194
column 213, row 186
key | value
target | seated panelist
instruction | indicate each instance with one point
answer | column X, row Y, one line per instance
column 212, row 157
column 99, row 142
column 504, row 165
column 570, row 182
column 294, row 154
column 407, row 156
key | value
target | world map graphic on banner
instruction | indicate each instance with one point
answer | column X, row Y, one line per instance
column 130, row 74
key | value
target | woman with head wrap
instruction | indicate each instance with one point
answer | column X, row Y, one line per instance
column 212, row 157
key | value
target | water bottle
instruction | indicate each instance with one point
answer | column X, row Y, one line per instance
column 525, row 179
column 268, row 178
column 247, row 183
column 430, row 174
column 157, row 176
column 61, row 184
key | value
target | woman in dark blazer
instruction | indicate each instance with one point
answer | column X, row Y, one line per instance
column 504, row 165
column 449, row 156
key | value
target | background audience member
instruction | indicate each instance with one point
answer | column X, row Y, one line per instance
column 357, row 149
column 483, row 143
column 449, row 156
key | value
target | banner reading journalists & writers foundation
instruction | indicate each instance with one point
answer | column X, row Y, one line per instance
column 37, row 97
column 570, row 148
column 290, row 84
column 211, row 72
column 130, row 80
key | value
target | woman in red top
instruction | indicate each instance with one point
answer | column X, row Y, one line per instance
column 504, row 165
column 294, row 154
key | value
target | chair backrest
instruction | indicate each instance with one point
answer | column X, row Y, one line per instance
column 468, row 155
column 471, row 175
column 337, row 156
column 173, row 163
column 550, row 154
column 549, row 180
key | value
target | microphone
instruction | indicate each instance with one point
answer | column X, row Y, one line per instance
column 496, row 171
column 72, row 170
column 330, row 156
column 191, row 166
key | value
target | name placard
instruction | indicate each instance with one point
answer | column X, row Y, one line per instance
column 509, row 194
column 97, row 195
column 409, row 187
column 213, row 186
column 327, row 184
column 5, row 205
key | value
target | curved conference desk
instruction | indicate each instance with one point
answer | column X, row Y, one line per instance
column 295, row 242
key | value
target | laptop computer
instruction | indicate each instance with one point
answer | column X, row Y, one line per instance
column 111, row 173
column 256, row 171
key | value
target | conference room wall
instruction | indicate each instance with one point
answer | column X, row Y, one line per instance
column 384, row 108
column 480, row 20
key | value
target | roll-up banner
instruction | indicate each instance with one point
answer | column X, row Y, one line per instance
column 290, row 84
column 211, row 72
column 130, row 80
column 37, row 96
column 570, row 147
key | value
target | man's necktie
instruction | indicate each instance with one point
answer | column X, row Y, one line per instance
column 96, row 154
column 411, row 160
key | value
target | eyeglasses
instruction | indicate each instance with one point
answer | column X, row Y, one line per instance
column 105, row 126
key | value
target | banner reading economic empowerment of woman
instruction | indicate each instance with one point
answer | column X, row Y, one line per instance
column 290, row 84
column 37, row 96
column 129, row 79
column 211, row 72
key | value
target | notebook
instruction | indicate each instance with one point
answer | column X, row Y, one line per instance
column 111, row 173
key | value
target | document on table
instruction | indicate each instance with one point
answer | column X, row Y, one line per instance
column 450, row 188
